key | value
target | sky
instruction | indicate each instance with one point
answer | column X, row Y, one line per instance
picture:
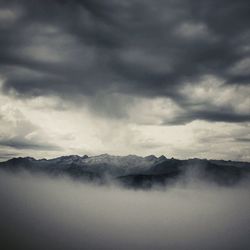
column 139, row 77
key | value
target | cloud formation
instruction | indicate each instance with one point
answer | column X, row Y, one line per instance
column 83, row 49
column 18, row 132
column 126, row 77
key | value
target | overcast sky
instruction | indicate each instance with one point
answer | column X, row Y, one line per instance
column 140, row 77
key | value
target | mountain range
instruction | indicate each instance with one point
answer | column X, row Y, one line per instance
column 134, row 171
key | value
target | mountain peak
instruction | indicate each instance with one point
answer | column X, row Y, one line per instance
column 162, row 158
column 136, row 170
column 103, row 155
column 150, row 158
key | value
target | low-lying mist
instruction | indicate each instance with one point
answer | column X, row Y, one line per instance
column 41, row 212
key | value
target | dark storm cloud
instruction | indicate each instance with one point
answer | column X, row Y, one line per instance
column 208, row 115
column 247, row 140
column 22, row 143
column 71, row 48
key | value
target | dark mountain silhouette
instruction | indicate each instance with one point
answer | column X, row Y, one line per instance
column 134, row 171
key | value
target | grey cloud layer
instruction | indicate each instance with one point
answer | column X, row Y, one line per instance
column 18, row 133
column 134, row 47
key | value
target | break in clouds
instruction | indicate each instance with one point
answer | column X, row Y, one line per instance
column 84, row 76
column 41, row 212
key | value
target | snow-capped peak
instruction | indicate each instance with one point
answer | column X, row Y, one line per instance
column 121, row 161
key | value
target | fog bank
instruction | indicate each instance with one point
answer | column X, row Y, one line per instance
column 40, row 212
